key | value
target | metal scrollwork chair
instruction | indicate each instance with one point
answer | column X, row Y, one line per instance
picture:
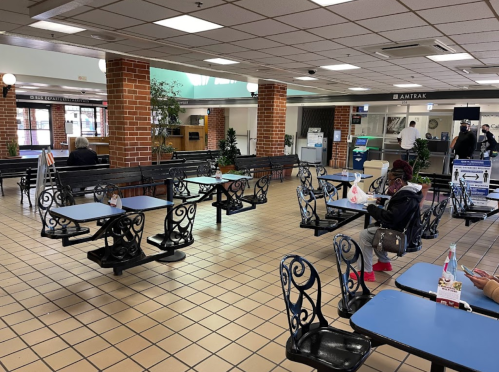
column 306, row 181
column 205, row 170
column 180, row 189
column 234, row 199
column 354, row 293
column 469, row 205
column 330, row 194
column 312, row 341
column 458, row 206
column 431, row 229
column 309, row 217
column 122, row 243
column 260, row 191
column 378, row 185
column 55, row 227
column 178, row 225
column 417, row 243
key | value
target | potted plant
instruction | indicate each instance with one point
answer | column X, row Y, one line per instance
column 228, row 151
column 420, row 163
column 165, row 110
column 164, row 152
column 12, row 149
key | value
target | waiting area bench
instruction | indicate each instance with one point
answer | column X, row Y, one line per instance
column 274, row 165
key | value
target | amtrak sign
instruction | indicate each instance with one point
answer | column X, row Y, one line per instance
column 407, row 96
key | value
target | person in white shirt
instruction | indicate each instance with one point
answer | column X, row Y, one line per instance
column 407, row 137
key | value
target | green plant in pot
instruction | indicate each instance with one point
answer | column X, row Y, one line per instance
column 161, row 150
column 165, row 110
column 12, row 148
column 288, row 143
column 420, row 163
column 228, row 151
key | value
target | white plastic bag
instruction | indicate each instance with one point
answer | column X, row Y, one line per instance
column 356, row 194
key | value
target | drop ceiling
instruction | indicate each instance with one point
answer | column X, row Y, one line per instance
column 278, row 39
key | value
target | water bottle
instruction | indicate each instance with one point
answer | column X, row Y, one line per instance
column 450, row 265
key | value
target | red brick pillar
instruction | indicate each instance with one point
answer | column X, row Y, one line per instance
column 8, row 123
column 216, row 127
column 271, row 119
column 341, row 122
column 129, row 111
column 58, row 125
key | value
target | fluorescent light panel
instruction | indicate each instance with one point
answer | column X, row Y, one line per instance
column 221, row 61
column 27, row 87
column 341, row 67
column 188, row 23
column 359, row 89
column 305, row 78
column 330, row 2
column 450, row 57
column 407, row 85
column 485, row 82
column 56, row 27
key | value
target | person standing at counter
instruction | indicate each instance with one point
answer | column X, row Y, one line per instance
column 489, row 144
column 82, row 155
column 407, row 138
column 464, row 145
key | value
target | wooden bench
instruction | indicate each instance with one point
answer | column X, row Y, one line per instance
column 252, row 165
column 286, row 162
column 202, row 155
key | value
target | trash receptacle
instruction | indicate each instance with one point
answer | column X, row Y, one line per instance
column 359, row 157
column 376, row 168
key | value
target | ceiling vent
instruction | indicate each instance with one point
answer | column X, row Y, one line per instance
column 491, row 69
column 417, row 48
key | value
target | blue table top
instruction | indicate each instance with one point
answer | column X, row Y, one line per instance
column 206, row 180
column 493, row 196
column 86, row 212
column 345, row 204
column 144, row 203
column 235, row 177
column 453, row 338
column 339, row 178
column 421, row 278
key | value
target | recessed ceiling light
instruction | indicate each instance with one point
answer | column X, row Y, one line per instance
column 28, row 87
column 57, row 27
column 342, row 67
column 330, row 2
column 305, row 78
column 450, row 57
column 407, row 85
column 221, row 61
column 359, row 88
column 188, row 23
column 487, row 81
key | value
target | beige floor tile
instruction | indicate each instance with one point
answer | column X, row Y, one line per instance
column 274, row 352
column 256, row 363
column 150, row 356
column 11, row 346
column 62, row 358
column 213, row 342
column 18, row 359
column 157, row 333
column 92, row 346
column 37, row 366
column 195, row 332
column 234, row 353
column 107, row 358
column 127, row 365
column 192, row 355
column 133, row 345
column 171, row 365
column 213, row 363
column 252, row 341
column 382, row 362
column 81, row 366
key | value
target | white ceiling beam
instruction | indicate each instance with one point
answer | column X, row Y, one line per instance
column 51, row 8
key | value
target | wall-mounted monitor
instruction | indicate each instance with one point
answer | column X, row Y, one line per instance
column 361, row 141
column 469, row 113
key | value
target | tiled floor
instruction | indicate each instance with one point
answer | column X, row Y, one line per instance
column 219, row 310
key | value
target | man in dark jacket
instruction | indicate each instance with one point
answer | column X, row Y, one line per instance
column 466, row 141
column 401, row 211
column 489, row 144
column 82, row 155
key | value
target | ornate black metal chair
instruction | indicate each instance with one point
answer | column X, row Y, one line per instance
column 103, row 193
column 180, row 188
column 177, row 232
column 55, row 227
column 417, row 243
column 354, row 293
column 469, row 205
column 458, row 206
column 312, row 341
column 320, row 171
column 431, row 230
column 330, row 194
column 260, row 191
column 306, row 181
column 234, row 201
column 378, row 185
column 205, row 170
column 309, row 217
column 122, row 239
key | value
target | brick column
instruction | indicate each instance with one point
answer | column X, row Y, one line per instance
column 8, row 123
column 341, row 122
column 58, row 125
column 129, row 111
column 271, row 119
column 216, row 127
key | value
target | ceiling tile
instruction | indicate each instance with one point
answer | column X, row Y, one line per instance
column 224, row 48
column 15, row 6
column 339, row 52
column 479, row 36
column 101, row 17
column 192, row 40
column 16, row 18
column 466, row 27
column 226, row 35
column 273, row 60
column 357, row 59
column 362, row 40
column 75, row 39
column 362, row 9
column 393, row 22
column 141, row 10
column 276, row 8
column 251, row 54
column 99, row 3
column 295, row 65
column 166, row 49
column 457, row 13
column 186, row 6
column 282, row 51
column 304, row 57
column 79, row 10
column 340, row 30
column 426, row 4
column 296, row 37
column 265, row 27
column 153, row 31
column 227, row 15
column 318, row 46
column 312, row 18
column 6, row 26
column 257, row 43
column 478, row 47
column 153, row 54
column 118, row 47
column 413, row 33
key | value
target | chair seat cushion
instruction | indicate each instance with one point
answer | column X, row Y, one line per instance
column 330, row 349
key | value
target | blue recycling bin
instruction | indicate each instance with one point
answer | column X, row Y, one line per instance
column 359, row 157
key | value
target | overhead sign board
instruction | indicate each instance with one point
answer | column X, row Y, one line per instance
column 56, row 99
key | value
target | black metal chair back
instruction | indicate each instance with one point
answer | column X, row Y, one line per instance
column 417, row 243
column 431, row 229
column 466, row 193
column 378, row 185
column 330, row 194
column 354, row 293
column 320, row 171
column 104, row 192
column 236, row 192
column 308, row 204
column 456, row 197
column 179, row 185
column 261, row 189
column 178, row 226
column 204, row 170
column 122, row 239
column 306, row 178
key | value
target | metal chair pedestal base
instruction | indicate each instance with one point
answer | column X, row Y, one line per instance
column 175, row 257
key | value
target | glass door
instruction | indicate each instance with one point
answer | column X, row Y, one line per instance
column 34, row 126
column 87, row 117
